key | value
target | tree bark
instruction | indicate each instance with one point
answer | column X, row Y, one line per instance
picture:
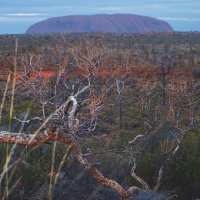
column 32, row 141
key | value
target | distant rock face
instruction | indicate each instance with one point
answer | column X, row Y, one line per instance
column 116, row 23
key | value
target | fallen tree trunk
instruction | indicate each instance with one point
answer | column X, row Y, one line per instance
column 33, row 141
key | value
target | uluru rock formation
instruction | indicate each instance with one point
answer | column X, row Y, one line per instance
column 115, row 23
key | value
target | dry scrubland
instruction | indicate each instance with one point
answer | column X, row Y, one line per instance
column 100, row 116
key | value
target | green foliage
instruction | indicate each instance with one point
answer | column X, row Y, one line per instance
column 183, row 172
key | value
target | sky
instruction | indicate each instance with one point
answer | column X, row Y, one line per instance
column 17, row 15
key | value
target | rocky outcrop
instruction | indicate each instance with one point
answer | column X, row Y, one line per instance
column 116, row 23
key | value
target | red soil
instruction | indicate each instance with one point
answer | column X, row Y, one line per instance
column 144, row 73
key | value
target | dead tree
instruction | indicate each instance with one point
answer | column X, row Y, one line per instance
column 68, row 110
column 120, row 88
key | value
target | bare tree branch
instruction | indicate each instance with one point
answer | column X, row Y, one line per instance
column 139, row 179
column 32, row 140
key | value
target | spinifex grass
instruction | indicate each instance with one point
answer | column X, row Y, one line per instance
column 10, row 153
column 52, row 170
column 54, row 176
column 67, row 153
column 4, row 96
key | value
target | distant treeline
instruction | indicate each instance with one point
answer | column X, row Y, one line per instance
column 178, row 49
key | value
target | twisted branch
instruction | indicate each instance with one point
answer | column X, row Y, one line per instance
column 32, row 141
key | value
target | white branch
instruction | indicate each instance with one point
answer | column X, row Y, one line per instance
column 140, row 180
column 136, row 138
column 71, row 117
column 158, row 182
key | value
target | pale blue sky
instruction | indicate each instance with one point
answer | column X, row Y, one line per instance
column 17, row 15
